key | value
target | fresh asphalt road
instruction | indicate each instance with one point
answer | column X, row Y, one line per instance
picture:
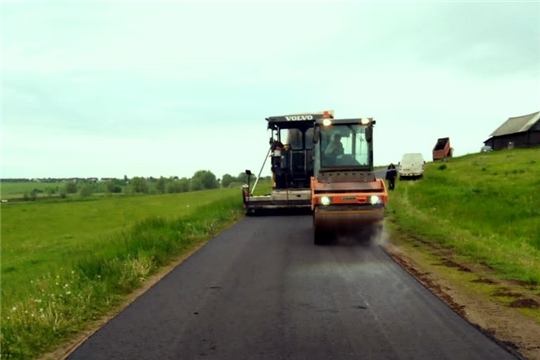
column 262, row 290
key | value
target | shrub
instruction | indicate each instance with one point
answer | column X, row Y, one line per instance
column 86, row 190
column 71, row 188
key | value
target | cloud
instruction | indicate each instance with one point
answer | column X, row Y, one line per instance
column 150, row 88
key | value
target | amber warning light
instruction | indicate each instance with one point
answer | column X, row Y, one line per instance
column 326, row 119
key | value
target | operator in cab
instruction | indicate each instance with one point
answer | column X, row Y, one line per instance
column 335, row 147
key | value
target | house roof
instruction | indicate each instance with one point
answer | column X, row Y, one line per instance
column 517, row 124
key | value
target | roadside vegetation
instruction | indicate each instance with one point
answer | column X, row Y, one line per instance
column 87, row 188
column 484, row 207
column 68, row 261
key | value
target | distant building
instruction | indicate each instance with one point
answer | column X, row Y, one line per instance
column 516, row 132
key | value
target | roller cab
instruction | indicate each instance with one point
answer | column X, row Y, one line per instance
column 346, row 196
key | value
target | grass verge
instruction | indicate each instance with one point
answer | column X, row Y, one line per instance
column 483, row 207
column 79, row 290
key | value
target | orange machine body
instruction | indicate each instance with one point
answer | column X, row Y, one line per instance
column 347, row 198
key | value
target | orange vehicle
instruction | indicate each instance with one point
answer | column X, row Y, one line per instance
column 346, row 196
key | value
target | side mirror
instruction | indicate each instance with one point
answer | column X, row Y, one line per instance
column 248, row 172
column 369, row 134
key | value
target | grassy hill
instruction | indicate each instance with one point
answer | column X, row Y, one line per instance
column 484, row 207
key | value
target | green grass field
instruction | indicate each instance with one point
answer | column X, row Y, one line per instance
column 34, row 235
column 50, row 191
column 66, row 263
column 485, row 207
column 10, row 190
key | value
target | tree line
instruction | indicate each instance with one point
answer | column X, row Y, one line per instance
column 201, row 180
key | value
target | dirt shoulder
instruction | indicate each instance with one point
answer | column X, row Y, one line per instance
column 506, row 311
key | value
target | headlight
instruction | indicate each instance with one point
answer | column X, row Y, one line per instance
column 364, row 121
column 374, row 200
column 327, row 122
column 325, row 200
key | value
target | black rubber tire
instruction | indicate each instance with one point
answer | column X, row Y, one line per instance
column 250, row 212
column 319, row 238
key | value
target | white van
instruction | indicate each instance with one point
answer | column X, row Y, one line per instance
column 411, row 166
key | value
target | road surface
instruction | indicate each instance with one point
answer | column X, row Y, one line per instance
column 262, row 290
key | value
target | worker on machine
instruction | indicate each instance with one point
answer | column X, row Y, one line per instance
column 335, row 147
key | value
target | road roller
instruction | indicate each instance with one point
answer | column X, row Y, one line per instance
column 347, row 199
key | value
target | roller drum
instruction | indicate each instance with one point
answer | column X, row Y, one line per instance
column 329, row 224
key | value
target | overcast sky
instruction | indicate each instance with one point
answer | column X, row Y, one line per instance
column 168, row 88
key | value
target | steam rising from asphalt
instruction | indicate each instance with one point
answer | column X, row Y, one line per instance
column 379, row 236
